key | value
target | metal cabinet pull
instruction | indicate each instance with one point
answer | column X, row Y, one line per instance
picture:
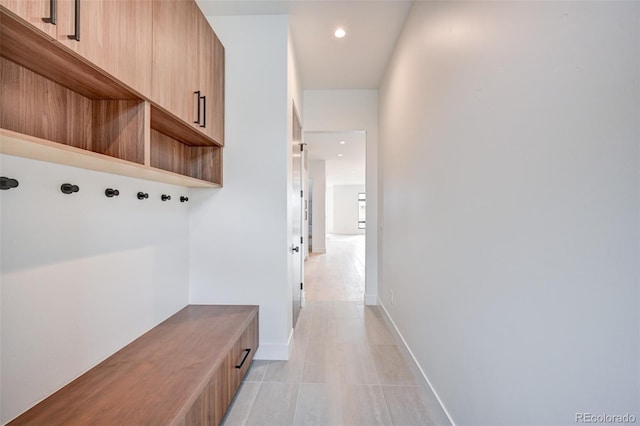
column 245, row 358
column 204, row 112
column 53, row 12
column 76, row 36
column 197, row 93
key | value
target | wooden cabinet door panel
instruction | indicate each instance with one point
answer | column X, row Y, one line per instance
column 175, row 50
column 35, row 12
column 211, row 80
column 115, row 35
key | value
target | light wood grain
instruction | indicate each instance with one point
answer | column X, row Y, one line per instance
column 115, row 36
column 20, row 42
column 175, row 60
column 198, row 162
column 37, row 106
column 34, row 12
column 168, row 153
column 119, row 129
column 206, row 164
column 34, row 105
column 26, row 146
column 164, row 122
column 167, row 376
column 73, row 98
column 211, row 79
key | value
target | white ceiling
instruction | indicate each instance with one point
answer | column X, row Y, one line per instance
column 358, row 61
column 349, row 169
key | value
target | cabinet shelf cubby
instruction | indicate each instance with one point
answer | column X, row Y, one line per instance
column 56, row 106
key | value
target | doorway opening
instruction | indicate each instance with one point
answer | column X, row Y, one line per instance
column 336, row 231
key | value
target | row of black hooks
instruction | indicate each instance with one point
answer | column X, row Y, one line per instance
column 68, row 188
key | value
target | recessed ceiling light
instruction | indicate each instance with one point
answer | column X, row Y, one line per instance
column 339, row 155
column 342, row 142
column 340, row 33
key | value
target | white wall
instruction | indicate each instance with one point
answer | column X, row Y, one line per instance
column 348, row 110
column 317, row 170
column 345, row 209
column 509, row 139
column 239, row 235
column 82, row 275
column 329, row 209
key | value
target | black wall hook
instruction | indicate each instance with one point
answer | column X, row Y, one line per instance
column 110, row 192
column 165, row 197
column 142, row 195
column 184, row 199
column 68, row 188
column 8, row 183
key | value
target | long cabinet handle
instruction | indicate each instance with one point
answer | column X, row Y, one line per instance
column 197, row 93
column 204, row 112
column 53, row 12
column 245, row 358
column 76, row 36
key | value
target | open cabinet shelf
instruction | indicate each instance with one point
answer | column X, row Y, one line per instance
column 198, row 162
column 26, row 146
column 58, row 107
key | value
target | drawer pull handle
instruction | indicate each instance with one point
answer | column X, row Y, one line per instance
column 197, row 93
column 53, row 13
column 244, row 358
column 76, row 36
column 204, row 112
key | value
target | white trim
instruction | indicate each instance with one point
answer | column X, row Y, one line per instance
column 275, row 352
column 318, row 251
column 370, row 299
column 398, row 335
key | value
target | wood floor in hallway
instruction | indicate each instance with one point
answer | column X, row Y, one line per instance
column 337, row 274
column 346, row 367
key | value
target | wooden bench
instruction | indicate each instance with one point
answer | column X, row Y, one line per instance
column 185, row 371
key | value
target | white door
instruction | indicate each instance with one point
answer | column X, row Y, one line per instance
column 297, row 195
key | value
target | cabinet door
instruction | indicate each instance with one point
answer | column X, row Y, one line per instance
column 115, row 35
column 211, row 79
column 242, row 353
column 175, row 57
column 38, row 13
column 211, row 405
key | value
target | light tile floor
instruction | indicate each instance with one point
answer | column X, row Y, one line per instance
column 345, row 367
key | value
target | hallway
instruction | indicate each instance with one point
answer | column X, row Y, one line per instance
column 337, row 274
column 346, row 367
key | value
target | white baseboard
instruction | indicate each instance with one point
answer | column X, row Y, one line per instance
column 370, row 299
column 318, row 250
column 398, row 335
column 275, row 352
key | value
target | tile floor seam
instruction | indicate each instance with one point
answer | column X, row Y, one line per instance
column 253, row 400
column 375, row 368
column 386, row 404
column 295, row 408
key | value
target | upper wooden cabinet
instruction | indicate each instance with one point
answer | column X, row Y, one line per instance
column 188, row 66
column 39, row 13
column 211, row 79
column 115, row 35
column 175, row 57
column 159, row 65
